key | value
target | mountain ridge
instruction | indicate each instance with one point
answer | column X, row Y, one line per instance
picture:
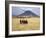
column 28, row 13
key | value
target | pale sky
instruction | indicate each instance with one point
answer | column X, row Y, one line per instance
column 20, row 10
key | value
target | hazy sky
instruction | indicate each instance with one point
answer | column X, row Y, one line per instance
column 20, row 10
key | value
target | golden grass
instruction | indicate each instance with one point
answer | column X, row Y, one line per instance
column 33, row 24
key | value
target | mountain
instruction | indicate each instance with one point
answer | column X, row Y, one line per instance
column 28, row 13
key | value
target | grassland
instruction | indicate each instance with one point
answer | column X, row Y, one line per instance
column 33, row 24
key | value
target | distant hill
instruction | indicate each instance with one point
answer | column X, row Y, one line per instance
column 28, row 13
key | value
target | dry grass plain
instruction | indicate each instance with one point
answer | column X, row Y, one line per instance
column 33, row 24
